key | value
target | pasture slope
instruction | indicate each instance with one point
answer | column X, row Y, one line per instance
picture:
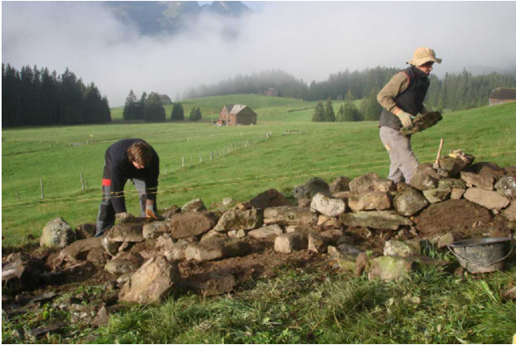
column 294, row 304
column 59, row 155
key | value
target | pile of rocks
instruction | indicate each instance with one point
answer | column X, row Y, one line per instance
column 339, row 221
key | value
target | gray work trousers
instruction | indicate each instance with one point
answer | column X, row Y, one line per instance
column 106, row 216
column 403, row 161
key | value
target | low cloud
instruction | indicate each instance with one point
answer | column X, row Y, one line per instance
column 307, row 39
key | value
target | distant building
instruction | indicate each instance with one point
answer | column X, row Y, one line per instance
column 237, row 114
column 271, row 92
column 165, row 99
column 502, row 95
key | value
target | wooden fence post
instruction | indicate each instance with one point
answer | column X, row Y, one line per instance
column 211, row 156
column 82, row 182
column 18, row 195
column 42, row 192
column 182, row 162
column 200, row 159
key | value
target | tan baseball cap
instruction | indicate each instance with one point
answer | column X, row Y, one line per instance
column 423, row 55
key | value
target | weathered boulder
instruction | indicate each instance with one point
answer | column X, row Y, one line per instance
column 311, row 188
column 506, row 186
column 316, row 242
column 486, row 168
column 383, row 185
column 363, row 183
column 154, row 281
column 240, row 220
column 176, row 251
column 399, row 248
column 190, row 224
column 451, row 216
column 489, row 199
column 452, row 183
column 155, row 229
column 409, row 201
column 369, row 201
column 510, row 212
column 79, row 250
column 328, row 206
column 266, row 231
column 289, row 215
column 127, row 262
column 171, row 211
column 340, row 184
column 111, row 247
column 195, row 205
column 287, row 243
column 269, row 198
column 216, row 249
column 455, row 165
column 85, row 231
column 436, row 195
column 126, row 232
column 457, row 193
column 425, row 177
column 390, row 268
column 375, row 219
column 57, row 233
column 482, row 181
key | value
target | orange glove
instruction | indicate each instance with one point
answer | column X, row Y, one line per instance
column 149, row 211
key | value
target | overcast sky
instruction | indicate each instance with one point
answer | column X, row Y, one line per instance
column 307, row 39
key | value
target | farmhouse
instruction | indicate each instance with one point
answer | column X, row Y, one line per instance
column 502, row 95
column 165, row 100
column 237, row 114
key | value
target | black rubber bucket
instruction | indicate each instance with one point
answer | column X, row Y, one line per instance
column 482, row 255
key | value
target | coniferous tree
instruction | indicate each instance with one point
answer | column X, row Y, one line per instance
column 139, row 111
column 71, row 99
column 131, row 107
column 370, row 108
column 350, row 109
column 178, row 113
column 319, row 113
column 195, row 114
column 154, row 110
column 340, row 114
column 330, row 114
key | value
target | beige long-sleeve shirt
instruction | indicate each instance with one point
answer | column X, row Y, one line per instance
column 387, row 96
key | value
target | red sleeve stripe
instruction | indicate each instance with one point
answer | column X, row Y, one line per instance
column 106, row 182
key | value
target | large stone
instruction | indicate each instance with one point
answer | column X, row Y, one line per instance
column 311, row 188
column 217, row 285
column 489, row 199
column 195, row 205
column 153, row 282
column 20, row 273
column 399, row 248
column 155, row 229
column 340, row 184
column 325, row 222
column 289, row 215
column 425, row 177
column 111, row 247
column 176, row 251
column 422, row 122
column 486, row 168
column 482, row 181
column 328, row 206
column 171, row 211
column 455, row 165
column 266, row 231
column 190, row 224
column 57, row 233
column 332, row 236
column 85, row 231
column 369, row 201
column 216, row 249
column 269, row 198
column 383, row 185
column 457, row 193
column 128, row 262
column 287, row 243
column 79, row 250
column 389, row 268
column 452, row 183
column 240, row 220
column 506, row 186
column 510, row 212
column 436, row 195
column 375, row 219
column 451, row 215
column 126, row 232
column 409, row 202
column 364, row 183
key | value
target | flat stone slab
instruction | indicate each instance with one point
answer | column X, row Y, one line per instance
column 289, row 215
column 293, row 241
column 369, row 201
column 216, row 249
column 266, row 231
column 489, row 199
column 190, row 224
column 375, row 219
column 126, row 232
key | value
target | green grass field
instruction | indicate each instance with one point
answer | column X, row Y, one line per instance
column 59, row 155
column 296, row 306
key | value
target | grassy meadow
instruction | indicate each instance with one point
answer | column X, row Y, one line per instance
column 296, row 306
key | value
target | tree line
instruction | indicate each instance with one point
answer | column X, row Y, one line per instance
column 37, row 97
column 150, row 109
column 453, row 92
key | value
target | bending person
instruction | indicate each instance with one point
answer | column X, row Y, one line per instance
column 128, row 159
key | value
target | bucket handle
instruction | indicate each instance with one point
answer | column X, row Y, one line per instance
column 491, row 263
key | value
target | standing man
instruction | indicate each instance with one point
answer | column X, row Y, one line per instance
column 402, row 99
column 126, row 159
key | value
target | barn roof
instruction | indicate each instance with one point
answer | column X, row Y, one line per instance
column 235, row 108
column 504, row 93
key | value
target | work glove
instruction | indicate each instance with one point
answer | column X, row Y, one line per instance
column 406, row 119
column 149, row 211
